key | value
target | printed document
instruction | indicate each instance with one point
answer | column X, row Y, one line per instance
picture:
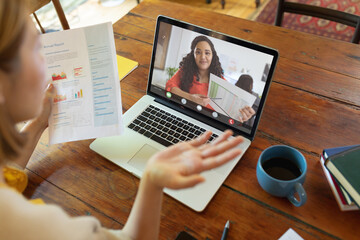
column 81, row 64
column 290, row 234
column 227, row 98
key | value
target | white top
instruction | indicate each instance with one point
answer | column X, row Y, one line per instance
column 20, row 219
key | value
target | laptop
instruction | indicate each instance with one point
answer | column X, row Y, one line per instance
column 162, row 118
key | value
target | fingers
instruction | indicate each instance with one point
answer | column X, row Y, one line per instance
column 186, row 181
column 50, row 91
column 252, row 111
column 202, row 96
column 246, row 113
column 221, row 159
column 182, row 147
column 174, row 150
column 181, row 164
column 47, row 84
column 201, row 139
column 201, row 99
column 222, row 137
column 221, row 147
column 205, row 101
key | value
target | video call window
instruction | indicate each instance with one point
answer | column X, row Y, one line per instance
column 222, row 78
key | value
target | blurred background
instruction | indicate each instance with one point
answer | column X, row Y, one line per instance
column 81, row 13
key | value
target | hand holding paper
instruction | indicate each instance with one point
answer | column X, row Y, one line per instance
column 230, row 100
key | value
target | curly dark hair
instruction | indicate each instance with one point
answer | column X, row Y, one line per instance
column 189, row 68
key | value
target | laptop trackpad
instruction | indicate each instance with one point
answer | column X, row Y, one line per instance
column 141, row 157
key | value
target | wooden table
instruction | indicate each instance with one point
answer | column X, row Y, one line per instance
column 314, row 103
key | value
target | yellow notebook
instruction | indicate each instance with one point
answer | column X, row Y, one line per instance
column 125, row 66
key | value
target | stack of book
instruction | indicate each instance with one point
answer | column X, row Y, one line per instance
column 342, row 169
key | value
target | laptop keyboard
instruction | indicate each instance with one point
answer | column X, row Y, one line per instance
column 165, row 128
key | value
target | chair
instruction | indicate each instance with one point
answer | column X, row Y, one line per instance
column 222, row 3
column 37, row 4
column 319, row 12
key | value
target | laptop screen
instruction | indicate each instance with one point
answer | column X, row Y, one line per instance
column 210, row 76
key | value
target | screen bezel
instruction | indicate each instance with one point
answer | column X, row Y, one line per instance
column 193, row 113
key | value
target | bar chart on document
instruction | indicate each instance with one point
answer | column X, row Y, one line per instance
column 69, row 99
column 66, row 93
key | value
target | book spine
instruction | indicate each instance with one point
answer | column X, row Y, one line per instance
column 339, row 190
column 346, row 195
column 344, row 168
column 340, row 184
column 335, row 188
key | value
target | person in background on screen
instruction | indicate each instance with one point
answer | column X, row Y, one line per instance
column 245, row 82
column 24, row 96
column 191, row 81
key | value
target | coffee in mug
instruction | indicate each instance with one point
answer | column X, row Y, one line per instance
column 281, row 168
column 281, row 172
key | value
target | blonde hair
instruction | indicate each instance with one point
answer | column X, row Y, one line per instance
column 13, row 20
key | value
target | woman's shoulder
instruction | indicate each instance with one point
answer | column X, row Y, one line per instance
column 7, row 191
column 22, row 218
column 10, row 201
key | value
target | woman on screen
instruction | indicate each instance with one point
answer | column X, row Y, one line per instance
column 191, row 81
column 22, row 97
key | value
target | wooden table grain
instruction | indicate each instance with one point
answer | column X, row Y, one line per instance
column 313, row 103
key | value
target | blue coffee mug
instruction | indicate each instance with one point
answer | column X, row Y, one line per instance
column 278, row 187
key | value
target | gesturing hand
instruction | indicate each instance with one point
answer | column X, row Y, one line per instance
column 200, row 99
column 246, row 113
column 179, row 166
